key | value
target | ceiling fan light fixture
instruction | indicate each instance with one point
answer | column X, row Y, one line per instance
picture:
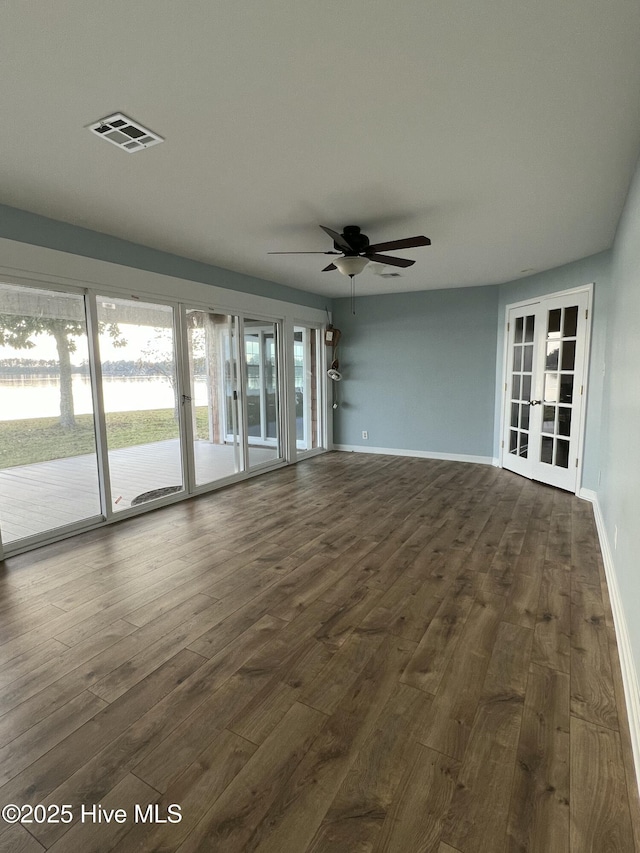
column 351, row 265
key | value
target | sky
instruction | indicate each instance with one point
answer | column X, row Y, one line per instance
column 137, row 339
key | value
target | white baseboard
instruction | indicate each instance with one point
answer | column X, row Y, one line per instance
column 625, row 652
column 423, row 454
column 591, row 496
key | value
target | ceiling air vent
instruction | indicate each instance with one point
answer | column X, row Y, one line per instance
column 127, row 134
column 389, row 275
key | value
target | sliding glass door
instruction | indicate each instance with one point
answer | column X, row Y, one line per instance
column 215, row 416
column 141, row 400
column 262, row 391
column 48, row 463
column 107, row 404
column 307, row 370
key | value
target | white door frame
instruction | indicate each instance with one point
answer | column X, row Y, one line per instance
column 533, row 301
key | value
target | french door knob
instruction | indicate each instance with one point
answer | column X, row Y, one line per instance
column 535, row 402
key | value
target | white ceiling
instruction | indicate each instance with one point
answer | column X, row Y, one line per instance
column 505, row 131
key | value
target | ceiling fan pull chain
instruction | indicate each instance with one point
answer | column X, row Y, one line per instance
column 353, row 295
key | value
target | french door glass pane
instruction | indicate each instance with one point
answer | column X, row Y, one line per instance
column 519, row 330
column 306, row 352
column 553, row 325
column 140, row 400
column 212, row 367
column 262, row 391
column 566, row 388
column 517, row 358
column 549, row 419
column 530, row 328
column 564, row 420
column 551, row 388
column 553, row 353
column 528, row 359
column 568, row 355
column 562, row 326
column 48, row 465
column 570, row 326
column 515, row 386
column 562, row 453
column 522, row 370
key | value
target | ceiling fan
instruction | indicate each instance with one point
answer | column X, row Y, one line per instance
column 356, row 251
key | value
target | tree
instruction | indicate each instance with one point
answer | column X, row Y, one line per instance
column 158, row 360
column 18, row 331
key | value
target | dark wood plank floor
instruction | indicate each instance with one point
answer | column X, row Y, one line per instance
column 357, row 653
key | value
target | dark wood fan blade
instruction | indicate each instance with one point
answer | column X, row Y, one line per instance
column 407, row 243
column 330, row 267
column 388, row 259
column 337, row 238
column 304, row 253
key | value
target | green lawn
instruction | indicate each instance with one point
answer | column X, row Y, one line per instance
column 42, row 439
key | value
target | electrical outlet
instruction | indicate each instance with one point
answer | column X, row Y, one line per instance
column 365, row 434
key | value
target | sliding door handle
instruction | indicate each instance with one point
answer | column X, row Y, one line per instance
column 535, row 402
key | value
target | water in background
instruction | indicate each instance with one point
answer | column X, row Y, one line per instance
column 39, row 397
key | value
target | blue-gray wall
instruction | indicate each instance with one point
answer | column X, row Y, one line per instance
column 37, row 230
column 403, row 355
column 594, row 269
column 419, row 371
column 619, row 492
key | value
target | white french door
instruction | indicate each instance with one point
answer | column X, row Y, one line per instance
column 545, row 388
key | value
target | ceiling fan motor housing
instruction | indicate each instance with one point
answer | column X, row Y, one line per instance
column 359, row 242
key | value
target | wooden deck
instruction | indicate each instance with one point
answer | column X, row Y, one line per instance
column 46, row 495
column 354, row 653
